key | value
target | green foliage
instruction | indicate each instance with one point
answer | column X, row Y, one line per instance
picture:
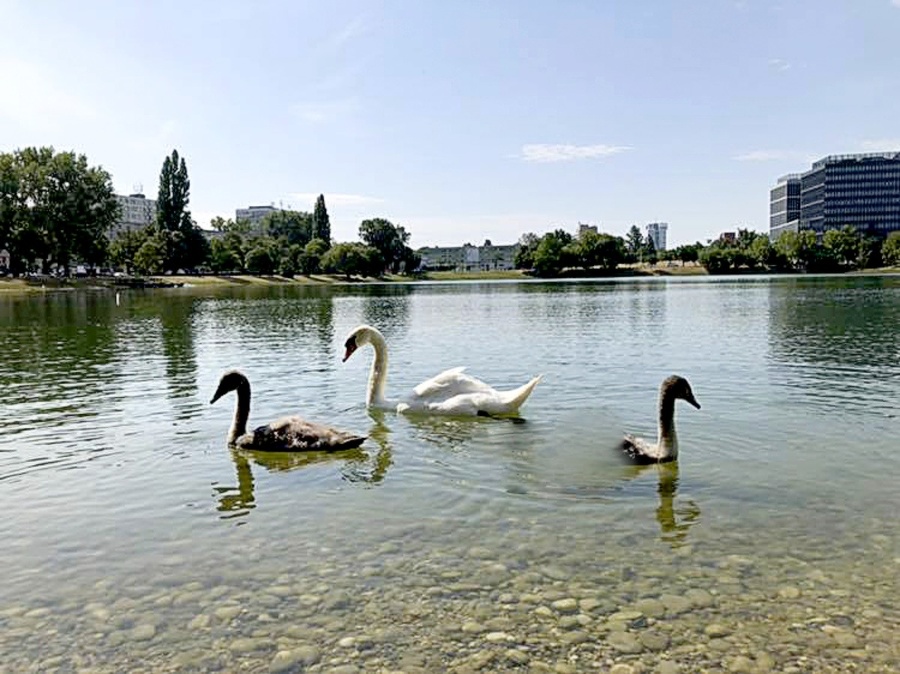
column 151, row 256
column 689, row 252
column 55, row 207
column 528, row 244
column 600, row 250
column 648, row 251
column 321, row 223
column 843, row 246
column 798, row 248
column 390, row 241
column 352, row 258
column 717, row 260
column 185, row 245
column 263, row 256
column 311, row 257
column 224, row 256
column 890, row 249
column 294, row 227
column 634, row 243
column 124, row 248
column 552, row 254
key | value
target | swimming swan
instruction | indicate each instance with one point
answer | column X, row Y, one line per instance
column 451, row 392
column 638, row 450
column 288, row 434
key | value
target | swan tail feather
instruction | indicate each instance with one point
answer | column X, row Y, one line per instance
column 514, row 399
column 350, row 442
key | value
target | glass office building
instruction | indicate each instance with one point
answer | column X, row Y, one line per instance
column 862, row 190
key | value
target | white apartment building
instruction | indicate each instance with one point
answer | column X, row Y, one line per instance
column 468, row 257
column 656, row 232
column 253, row 214
column 135, row 212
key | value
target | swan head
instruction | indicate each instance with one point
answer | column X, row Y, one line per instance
column 678, row 387
column 230, row 381
column 359, row 336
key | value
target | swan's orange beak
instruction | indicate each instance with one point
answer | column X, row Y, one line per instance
column 349, row 352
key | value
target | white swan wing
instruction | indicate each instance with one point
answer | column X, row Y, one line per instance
column 487, row 401
column 450, row 383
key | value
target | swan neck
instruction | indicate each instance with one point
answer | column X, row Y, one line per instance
column 378, row 373
column 241, row 412
column 667, row 440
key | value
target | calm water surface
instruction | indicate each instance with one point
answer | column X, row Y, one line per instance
column 134, row 540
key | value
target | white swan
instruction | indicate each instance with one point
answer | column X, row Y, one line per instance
column 451, row 392
column 638, row 450
column 288, row 434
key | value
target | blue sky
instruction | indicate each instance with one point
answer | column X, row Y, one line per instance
column 460, row 120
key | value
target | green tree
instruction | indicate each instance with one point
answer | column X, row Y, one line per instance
column 798, row 248
column 224, row 257
column 321, row 223
column 648, row 252
column 890, row 249
column 151, row 256
column 311, row 257
column 634, row 243
column 524, row 258
column 551, row 254
column 389, row 240
column 263, row 256
column 293, row 227
column 843, row 245
column 347, row 259
column 55, row 207
column 124, row 248
column 185, row 244
column 600, row 250
column 689, row 252
column 717, row 260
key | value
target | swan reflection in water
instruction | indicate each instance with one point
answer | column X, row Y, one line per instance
column 675, row 518
column 357, row 467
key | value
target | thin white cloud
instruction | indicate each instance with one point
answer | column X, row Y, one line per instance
column 546, row 153
column 318, row 112
column 895, row 3
column 768, row 155
column 881, row 144
column 30, row 96
column 333, row 199
column 355, row 28
column 779, row 64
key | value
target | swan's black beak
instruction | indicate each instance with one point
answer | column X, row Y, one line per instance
column 219, row 393
column 350, row 347
column 693, row 401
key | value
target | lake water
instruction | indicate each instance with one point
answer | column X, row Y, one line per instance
column 134, row 540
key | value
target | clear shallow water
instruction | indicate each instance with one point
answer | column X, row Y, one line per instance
column 134, row 540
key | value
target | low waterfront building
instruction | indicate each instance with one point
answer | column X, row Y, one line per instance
column 468, row 257
column 861, row 190
column 135, row 212
column 5, row 260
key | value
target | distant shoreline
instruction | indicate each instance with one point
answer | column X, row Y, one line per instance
column 38, row 285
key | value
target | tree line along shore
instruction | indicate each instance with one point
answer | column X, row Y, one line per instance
column 57, row 211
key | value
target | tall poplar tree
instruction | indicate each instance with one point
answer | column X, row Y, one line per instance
column 183, row 242
column 321, row 222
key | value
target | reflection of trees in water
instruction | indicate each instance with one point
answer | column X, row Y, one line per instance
column 835, row 341
column 841, row 321
column 56, row 348
column 357, row 466
column 387, row 308
column 177, row 324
